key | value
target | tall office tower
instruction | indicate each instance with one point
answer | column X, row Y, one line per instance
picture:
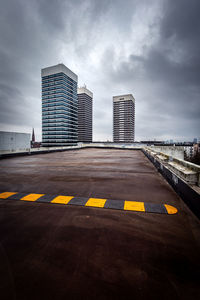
column 85, row 98
column 124, row 119
column 59, row 106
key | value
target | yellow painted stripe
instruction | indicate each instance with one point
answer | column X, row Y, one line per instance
column 62, row 199
column 32, row 197
column 171, row 209
column 133, row 205
column 6, row 195
column 95, row 202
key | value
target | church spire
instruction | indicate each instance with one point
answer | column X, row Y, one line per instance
column 33, row 136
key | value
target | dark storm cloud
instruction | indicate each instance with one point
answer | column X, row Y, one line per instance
column 9, row 96
column 169, row 69
column 181, row 18
column 25, row 32
column 176, row 57
column 179, row 32
column 148, row 48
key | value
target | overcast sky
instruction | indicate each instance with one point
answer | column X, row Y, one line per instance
column 149, row 48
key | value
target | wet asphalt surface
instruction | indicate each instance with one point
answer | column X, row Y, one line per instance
column 62, row 252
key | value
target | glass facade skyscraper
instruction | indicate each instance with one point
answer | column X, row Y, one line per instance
column 59, row 106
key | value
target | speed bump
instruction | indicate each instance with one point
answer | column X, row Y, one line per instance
column 92, row 202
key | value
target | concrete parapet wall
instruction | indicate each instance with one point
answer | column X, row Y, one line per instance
column 184, row 169
column 175, row 151
column 189, row 193
column 66, row 148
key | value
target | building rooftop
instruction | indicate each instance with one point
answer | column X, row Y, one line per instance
column 123, row 98
column 84, row 90
column 56, row 251
column 58, row 69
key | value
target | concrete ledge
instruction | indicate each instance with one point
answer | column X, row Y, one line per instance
column 175, row 151
column 187, row 174
column 189, row 195
column 44, row 150
column 186, row 170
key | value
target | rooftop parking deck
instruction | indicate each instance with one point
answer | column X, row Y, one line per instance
column 70, row 252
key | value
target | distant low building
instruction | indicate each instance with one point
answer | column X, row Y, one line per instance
column 192, row 153
column 152, row 142
column 195, row 141
column 36, row 145
column 14, row 141
column 189, row 151
column 192, row 150
column 196, row 148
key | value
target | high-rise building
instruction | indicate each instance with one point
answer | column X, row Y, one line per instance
column 124, row 119
column 85, row 98
column 59, row 106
